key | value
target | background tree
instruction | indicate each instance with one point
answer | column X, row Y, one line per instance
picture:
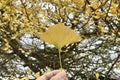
column 22, row 53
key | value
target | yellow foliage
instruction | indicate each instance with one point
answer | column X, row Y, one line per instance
column 114, row 5
column 88, row 11
column 94, row 0
column 118, row 33
column 57, row 2
column 6, row 46
column 60, row 35
column 99, row 14
column 46, row 0
column 37, row 74
column 95, row 5
column 97, row 76
column 3, row 3
column 25, row 78
column 78, row 1
column 42, row 13
column 1, row 6
column 113, row 9
column 102, row 29
column 21, row 50
column 14, row 21
column 67, row 1
column 29, row 71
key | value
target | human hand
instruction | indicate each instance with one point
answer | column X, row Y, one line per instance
column 54, row 75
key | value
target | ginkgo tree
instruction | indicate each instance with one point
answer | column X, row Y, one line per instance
column 86, row 32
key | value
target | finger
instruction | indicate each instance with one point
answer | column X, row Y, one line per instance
column 49, row 75
column 60, row 76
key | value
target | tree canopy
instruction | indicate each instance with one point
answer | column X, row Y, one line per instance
column 23, row 54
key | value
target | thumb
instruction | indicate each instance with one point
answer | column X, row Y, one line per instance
column 60, row 76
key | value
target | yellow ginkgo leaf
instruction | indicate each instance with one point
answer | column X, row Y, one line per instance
column 37, row 74
column 97, row 76
column 60, row 35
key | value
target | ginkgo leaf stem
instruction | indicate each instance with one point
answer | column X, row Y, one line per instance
column 60, row 60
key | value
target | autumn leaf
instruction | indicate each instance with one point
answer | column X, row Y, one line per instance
column 78, row 1
column 60, row 35
column 97, row 76
column 37, row 74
